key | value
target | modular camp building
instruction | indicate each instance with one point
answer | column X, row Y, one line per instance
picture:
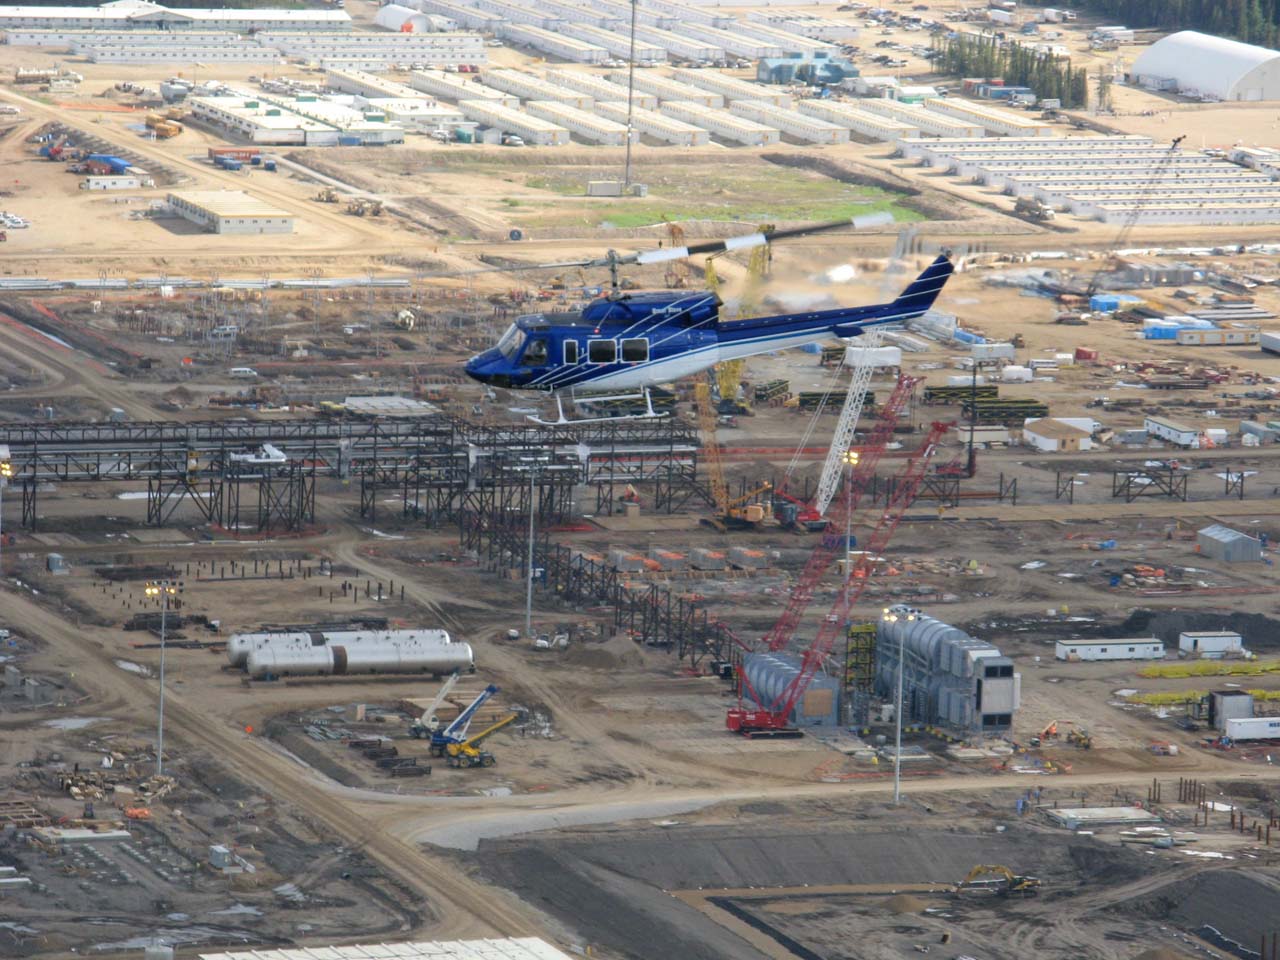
column 798, row 125
column 229, row 212
column 655, row 125
column 598, row 88
column 666, row 89
column 558, row 44
column 678, row 45
column 724, row 125
column 873, row 126
column 528, row 87
column 587, row 126
column 531, row 129
column 143, row 15
column 732, row 88
column 1147, row 648
column 1172, row 431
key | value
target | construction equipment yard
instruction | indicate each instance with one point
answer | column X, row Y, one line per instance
column 953, row 634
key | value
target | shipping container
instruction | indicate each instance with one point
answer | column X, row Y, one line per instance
column 236, row 153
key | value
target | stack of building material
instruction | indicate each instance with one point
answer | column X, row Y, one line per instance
column 625, row 561
column 700, row 558
column 744, row 558
column 668, row 559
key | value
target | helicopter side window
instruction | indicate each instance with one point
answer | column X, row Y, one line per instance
column 571, row 351
column 602, row 351
column 511, row 342
column 635, row 350
column 535, row 354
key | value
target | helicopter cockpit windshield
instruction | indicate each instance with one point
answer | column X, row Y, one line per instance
column 511, row 342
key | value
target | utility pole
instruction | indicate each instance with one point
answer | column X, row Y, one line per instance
column 6, row 472
column 631, row 84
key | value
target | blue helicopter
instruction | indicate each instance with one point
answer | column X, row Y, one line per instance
column 631, row 341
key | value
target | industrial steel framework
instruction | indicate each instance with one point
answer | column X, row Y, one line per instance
column 438, row 466
column 1150, row 482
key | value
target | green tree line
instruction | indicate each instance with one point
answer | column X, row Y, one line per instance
column 1050, row 77
column 1252, row 21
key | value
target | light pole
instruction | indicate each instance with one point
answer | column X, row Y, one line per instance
column 851, row 461
column 164, row 589
column 534, row 464
column 891, row 617
column 6, row 471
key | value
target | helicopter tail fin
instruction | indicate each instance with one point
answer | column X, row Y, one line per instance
column 920, row 294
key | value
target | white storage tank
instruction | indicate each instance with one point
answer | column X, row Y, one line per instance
column 339, row 660
column 1015, row 374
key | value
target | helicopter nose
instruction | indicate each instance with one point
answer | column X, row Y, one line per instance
column 487, row 368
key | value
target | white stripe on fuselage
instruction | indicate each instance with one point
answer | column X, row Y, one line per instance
column 689, row 362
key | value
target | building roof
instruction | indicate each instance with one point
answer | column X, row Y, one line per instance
column 229, row 203
column 523, row 948
column 1053, row 429
column 144, row 10
column 1223, row 534
column 1203, row 63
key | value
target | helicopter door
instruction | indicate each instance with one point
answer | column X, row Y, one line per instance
column 535, row 354
column 571, row 351
column 635, row 350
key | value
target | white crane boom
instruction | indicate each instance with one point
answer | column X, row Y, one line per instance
column 847, row 425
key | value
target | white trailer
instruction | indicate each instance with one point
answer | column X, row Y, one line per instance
column 598, row 88
column 665, row 89
column 799, row 125
column 528, row 87
column 531, row 129
column 734, row 43
column 679, row 46
column 111, row 183
column 556, row 44
column 922, row 119
column 655, row 125
column 724, row 125
column 515, row 13
column 449, row 86
column 617, row 44
column 991, row 119
column 1147, row 648
column 588, row 126
column 807, row 25
column 1209, row 644
column 731, row 88
column 866, row 124
column 473, row 18
column 1253, row 728
column 688, row 13
column 577, row 13
column 789, row 42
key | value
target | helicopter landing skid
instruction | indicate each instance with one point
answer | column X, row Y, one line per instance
column 561, row 419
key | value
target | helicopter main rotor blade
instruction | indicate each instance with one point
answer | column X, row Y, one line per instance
column 759, row 239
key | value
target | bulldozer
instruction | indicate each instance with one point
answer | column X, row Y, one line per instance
column 361, row 207
column 327, row 195
column 1006, row 882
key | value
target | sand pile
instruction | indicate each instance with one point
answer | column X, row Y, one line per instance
column 906, row 903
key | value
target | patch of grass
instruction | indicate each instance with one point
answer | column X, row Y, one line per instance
column 1211, row 668
column 1170, row 698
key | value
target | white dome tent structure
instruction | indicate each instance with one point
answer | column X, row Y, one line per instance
column 1197, row 64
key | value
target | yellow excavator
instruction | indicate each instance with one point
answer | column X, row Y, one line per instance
column 468, row 753
column 1007, row 883
column 731, row 512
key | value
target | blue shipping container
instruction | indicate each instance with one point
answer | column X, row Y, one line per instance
column 348, row 141
column 269, row 166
